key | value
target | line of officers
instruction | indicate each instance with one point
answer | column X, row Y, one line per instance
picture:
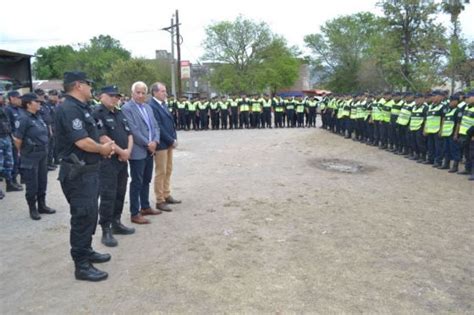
column 243, row 112
column 429, row 128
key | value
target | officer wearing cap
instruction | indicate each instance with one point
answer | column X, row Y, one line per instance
column 79, row 149
column 31, row 141
column 465, row 133
column 113, row 172
column 47, row 117
column 53, row 100
column 14, row 112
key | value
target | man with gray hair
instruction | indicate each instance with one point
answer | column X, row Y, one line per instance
column 146, row 138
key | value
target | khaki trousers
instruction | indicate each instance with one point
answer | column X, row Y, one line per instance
column 163, row 169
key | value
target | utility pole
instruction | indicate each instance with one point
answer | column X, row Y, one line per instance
column 178, row 48
column 173, row 67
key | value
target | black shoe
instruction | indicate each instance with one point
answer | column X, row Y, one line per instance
column 98, row 258
column 33, row 209
column 2, row 195
column 11, row 186
column 455, row 167
column 119, row 228
column 85, row 271
column 107, row 237
column 43, row 208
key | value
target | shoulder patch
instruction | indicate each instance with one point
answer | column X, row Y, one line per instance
column 17, row 124
column 77, row 124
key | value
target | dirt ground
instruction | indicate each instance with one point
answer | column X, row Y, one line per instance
column 268, row 224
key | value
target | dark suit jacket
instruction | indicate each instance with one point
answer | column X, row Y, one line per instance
column 166, row 122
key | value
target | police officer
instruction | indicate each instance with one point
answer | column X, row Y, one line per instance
column 6, row 155
column 14, row 112
column 31, row 141
column 53, row 100
column 113, row 172
column 79, row 149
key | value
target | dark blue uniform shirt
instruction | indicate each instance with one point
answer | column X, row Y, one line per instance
column 112, row 124
column 74, row 122
column 32, row 130
column 14, row 114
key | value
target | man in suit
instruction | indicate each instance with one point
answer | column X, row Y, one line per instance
column 146, row 138
column 164, row 154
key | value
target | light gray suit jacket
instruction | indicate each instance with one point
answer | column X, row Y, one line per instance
column 139, row 129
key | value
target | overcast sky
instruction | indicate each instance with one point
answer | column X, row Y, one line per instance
column 137, row 24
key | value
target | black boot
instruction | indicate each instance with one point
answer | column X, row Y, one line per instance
column 85, row 271
column 42, row 207
column 446, row 165
column 33, row 210
column 119, row 228
column 455, row 167
column 2, row 195
column 107, row 237
column 95, row 257
column 11, row 186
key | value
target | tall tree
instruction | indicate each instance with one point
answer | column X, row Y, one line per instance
column 421, row 43
column 457, row 55
column 340, row 48
column 95, row 58
column 51, row 62
column 244, row 51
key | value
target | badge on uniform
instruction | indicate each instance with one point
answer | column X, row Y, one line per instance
column 17, row 124
column 77, row 124
column 100, row 123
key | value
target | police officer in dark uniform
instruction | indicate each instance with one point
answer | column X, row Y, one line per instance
column 31, row 141
column 14, row 112
column 113, row 172
column 79, row 150
column 53, row 100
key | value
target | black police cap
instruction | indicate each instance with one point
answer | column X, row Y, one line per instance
column 73, row 76
column 53, row 92
column 111, row 90
column 39, row 92
column 13, row 94
column 29, row 97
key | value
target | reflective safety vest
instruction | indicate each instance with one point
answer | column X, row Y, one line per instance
column 417, row 117
column 312, row 103
column 467, row 120
column 433, row 119
column 233, row 103
column 203, row 106
column 396, row 108
column 265, row 103
column 181, row 105
column 290, row 104
column 322, row 105
column 244, row 105
column 448, row 123
column 192, row 106
column 405, row 113
column 223, row 105
column 360, row 114
column 461, row 105
column 386, row 109
column 214, row 105
column 353, row 114
column 256, row 106
column 346, row 108
column 300, row 105
column 377, row 114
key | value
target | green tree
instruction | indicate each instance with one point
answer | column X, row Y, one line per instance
column 246, row 51
column 95, row 58
column 124, row 73
column 341, row 47
column 51, row 62
column 457, row 55
column 418, row 39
